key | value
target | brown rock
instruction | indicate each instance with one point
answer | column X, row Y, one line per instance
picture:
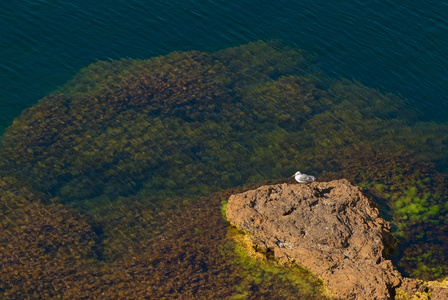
column 440, row 294
column 412, row 286
column 439, row 289
column 331, row 228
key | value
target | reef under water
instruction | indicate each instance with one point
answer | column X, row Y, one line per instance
column 112, row 185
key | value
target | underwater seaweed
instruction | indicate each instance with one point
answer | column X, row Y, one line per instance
column 124, row 148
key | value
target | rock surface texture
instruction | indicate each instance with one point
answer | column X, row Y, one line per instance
column 331, row 228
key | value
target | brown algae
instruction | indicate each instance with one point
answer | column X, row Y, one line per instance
column 96, row 178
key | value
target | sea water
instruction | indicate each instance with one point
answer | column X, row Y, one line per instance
column 394, row 47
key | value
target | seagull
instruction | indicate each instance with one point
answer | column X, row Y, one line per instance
column 303, row 178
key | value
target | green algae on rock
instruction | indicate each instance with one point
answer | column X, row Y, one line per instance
column 412, row 194
column 124, row 142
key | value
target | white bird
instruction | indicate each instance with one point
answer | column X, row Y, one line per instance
column 303, row 178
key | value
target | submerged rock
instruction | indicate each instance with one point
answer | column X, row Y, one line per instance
column 331, row 228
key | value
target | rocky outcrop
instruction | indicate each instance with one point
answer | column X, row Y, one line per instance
column 422, row 290
column 331, row 228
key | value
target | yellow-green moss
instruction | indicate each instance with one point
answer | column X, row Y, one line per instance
column 296, row 280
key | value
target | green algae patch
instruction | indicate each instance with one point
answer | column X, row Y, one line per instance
column 264, row 274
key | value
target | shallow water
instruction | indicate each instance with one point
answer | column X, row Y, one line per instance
column 112, row 175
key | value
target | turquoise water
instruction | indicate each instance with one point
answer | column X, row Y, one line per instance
column 396, row 46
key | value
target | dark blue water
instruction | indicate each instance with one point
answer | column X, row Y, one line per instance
column 397, row 46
